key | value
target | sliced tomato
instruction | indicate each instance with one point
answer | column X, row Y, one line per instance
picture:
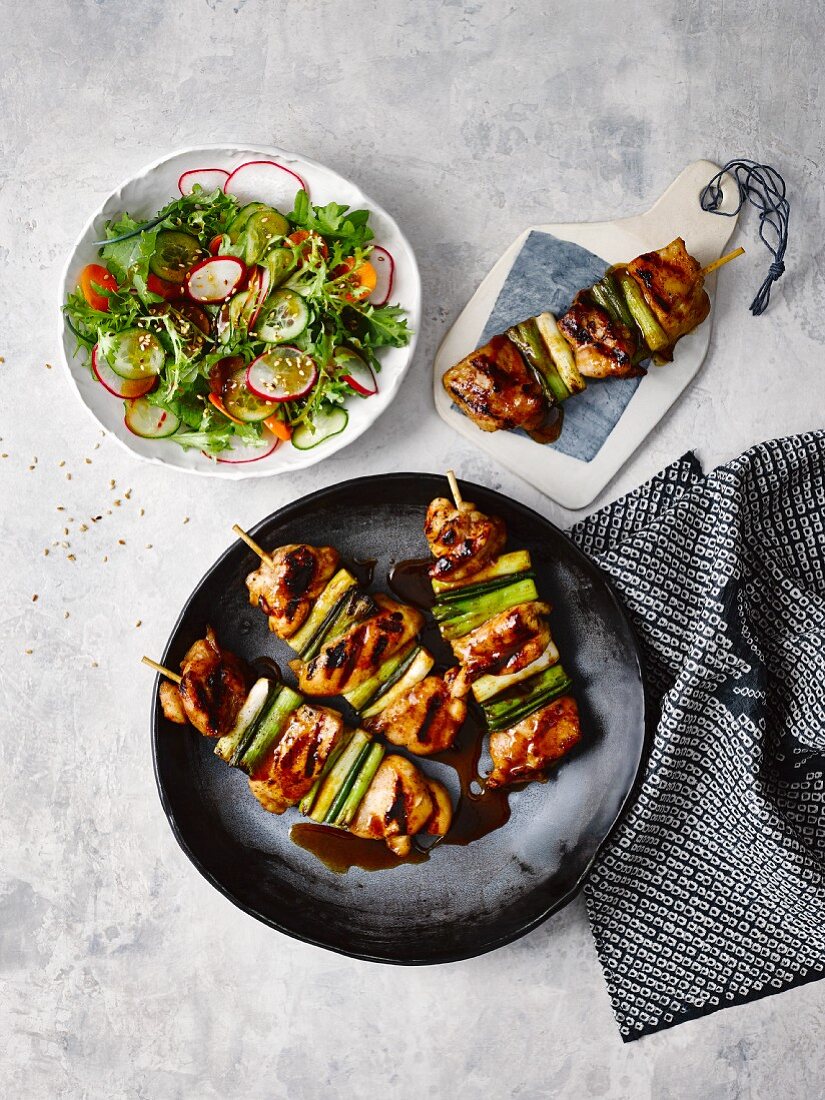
column 93, row 279
column 302, row 235
column 220, row 373
column 196, row 314
column 165, row 289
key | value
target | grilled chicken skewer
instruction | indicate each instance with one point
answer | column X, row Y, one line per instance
column 490, row 613
column 637, row 311
column 364, row 647
column 300, row 752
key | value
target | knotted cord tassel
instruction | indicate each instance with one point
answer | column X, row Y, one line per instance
column 764, row 188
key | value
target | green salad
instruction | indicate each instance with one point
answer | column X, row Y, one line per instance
column 228, row 327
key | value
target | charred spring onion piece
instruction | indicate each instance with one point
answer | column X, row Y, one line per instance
column 365, row 776
column 471, row 591
column 560, row 352
column 419, row 667
column 305, row 805
column 336, row 808
column 337, row 776
column 654, row 335
column 521, row 702
column 459, row 618
column 489, row 686
column 517, row 561
column 269, row 729
column 342, row 581
column 528, row 340
column 246, row 721
column 388, row 674
column 352, row 608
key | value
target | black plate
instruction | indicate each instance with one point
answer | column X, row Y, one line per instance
column 464, row 900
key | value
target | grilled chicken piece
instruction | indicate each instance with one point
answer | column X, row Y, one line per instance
column 349, row 660
column 496, row 388
column 399, row 803
column 462, row 540
column 172, row 704
column 299, row 757
column 213, row 686
column 526, row 750
column 674, row 288
column 505, row 643
column 286, row 587
column 426, row 719
column 603, row 348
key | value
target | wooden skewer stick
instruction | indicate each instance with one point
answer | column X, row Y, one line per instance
column 167, row 672
column 722, row 261
column 250, row 542
column 454, row 489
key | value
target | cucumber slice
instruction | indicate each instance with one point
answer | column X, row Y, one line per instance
column 238, row 223
column 283, row 317
column 175, row 253
column 387, row 674
column 148, row 421
column 341, row 582
column 268, row 730
column 263, row 227
column 280, row 262
column 133, row 353
column 326, row 423
column 255, row 702
column 518, row 561
column 420, row 667
column 344, row 767
column 487, row 687
column 240, row 402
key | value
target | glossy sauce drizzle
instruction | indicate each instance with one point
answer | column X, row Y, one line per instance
column 410, row 582
column 340, row 850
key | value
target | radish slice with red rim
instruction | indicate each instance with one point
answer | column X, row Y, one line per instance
column 384, row 266
column 210, row 179
column 148, row 421
column 265, row 280
column 215, row 279
column 265, row 181
column 120, row 387
column 357, row 373
column 241, row 453
column 283, row 374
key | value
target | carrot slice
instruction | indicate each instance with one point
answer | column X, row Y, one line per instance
column 279, row 428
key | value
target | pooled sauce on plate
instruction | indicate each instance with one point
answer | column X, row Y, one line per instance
column 410, row 582
column 340, row 850
column 479, row 811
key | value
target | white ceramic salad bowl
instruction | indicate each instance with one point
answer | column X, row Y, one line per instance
column 146, row 193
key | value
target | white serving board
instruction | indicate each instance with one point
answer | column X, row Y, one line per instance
column 570, row 481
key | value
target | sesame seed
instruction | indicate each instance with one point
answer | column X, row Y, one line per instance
column 112, row 483
column 148, row 546
column 186, row 519
column 142, row 512
column 139, row 622
column 28, row 651
column 45, row 551
column 121, row 542
column 68, row 477
column 116, row 503
column 34, row 598
column 60, row 464
column 71, row 557
column 105, row 557
column 94, row 664
column 88, row 461
column 65, row 614
column 84, row 527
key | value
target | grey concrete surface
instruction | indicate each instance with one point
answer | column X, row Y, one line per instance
column 123, row 973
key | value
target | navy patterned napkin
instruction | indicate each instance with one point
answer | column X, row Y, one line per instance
column 711, row 891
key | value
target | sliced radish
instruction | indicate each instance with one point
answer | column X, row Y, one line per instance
column 215, row 279
column 265, row 181
column 384, row 266
column 149, row 422
column 244, row 452
column 209, row 179
column 283, row 374
column 357, row 372
column 117, row 386
column 263, row 291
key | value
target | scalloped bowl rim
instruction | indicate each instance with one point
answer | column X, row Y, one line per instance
column 398, row 360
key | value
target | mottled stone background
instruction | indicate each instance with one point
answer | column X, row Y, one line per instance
column 123, row 973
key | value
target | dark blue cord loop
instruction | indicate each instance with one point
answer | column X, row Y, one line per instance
column 764, row 188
